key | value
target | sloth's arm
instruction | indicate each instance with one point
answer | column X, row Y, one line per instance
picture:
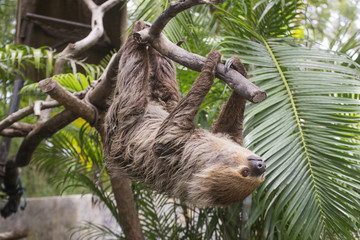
column 188, row 107
column 231, row 117
column 179, row 125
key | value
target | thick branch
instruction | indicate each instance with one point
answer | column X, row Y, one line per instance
column 97, row 31
column 129, row 219
column 106, row 6
column 22, row 113
column 57, row 92
column 17, row 130
column 173, row 10
column 42, row 131
column 11, row 133
column 99, row 95
column 235, row 80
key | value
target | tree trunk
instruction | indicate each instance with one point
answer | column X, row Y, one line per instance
column 246, row 208
column 5, row 142
column 129, row 220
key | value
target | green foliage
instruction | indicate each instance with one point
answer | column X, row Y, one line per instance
column 342, row 34
column 304, row 130
column 74, row 158
column 164, row 218
column 92, row 231
column 14, row 58
column 307, row 129
column 8, row 20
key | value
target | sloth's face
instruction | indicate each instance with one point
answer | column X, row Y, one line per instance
column 229, row 178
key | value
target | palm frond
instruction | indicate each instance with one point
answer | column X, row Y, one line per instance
column 89, row 230
column 268, row 19
column 157, row 214
column 13, row 58
column 304, row 130
column 74, row 82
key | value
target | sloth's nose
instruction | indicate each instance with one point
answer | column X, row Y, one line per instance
column 257, row 165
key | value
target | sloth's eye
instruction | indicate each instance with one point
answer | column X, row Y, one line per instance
column 245, row 172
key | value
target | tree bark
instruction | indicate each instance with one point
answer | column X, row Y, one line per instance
column 129, row 219
column 69, row 101
column 246, row 208
column 5, row 143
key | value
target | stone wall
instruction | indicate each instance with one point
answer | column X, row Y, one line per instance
column 56, row 217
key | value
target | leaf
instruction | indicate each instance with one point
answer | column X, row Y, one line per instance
column 300, row 128
column 73, row 83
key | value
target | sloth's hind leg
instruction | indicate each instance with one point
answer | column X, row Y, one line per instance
column 163, row 86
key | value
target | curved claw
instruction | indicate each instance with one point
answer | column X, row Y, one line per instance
column 148, row 23
column 236, row 64
column 228, row 64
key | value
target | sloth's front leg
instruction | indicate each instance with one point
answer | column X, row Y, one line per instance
column 231, row 117
column 177, row 127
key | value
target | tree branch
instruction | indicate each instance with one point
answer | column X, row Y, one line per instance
column 106, row 82
column 11, row 133
column 17, row 130
column 97, row 12
column 22, row 113
column 172, row 11
column 234, row 79
column 15, row 234
column 64, row 97
column 153, row 36
column 125, row 202
column 42, row 131
column 106, row 6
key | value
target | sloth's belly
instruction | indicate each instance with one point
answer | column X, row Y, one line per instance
column 137, row 159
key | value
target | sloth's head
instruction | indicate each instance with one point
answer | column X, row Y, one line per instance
column 228, row 178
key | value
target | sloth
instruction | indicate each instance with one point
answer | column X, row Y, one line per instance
column 151, row 136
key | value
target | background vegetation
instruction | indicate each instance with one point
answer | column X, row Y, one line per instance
column 305, row 54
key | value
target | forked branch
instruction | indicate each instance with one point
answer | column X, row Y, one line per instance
column 22, row 113
column 172, row 11
column 57, row 92
column 17, row 130
column 42, row 131
column 97, row 28
column 153, row 36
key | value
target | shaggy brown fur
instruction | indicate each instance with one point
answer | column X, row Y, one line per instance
column 152, row 138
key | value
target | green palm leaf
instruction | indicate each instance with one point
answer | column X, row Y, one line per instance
column 74, row 155
column 12, row 58
column 304, row 130
column 89, row 230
